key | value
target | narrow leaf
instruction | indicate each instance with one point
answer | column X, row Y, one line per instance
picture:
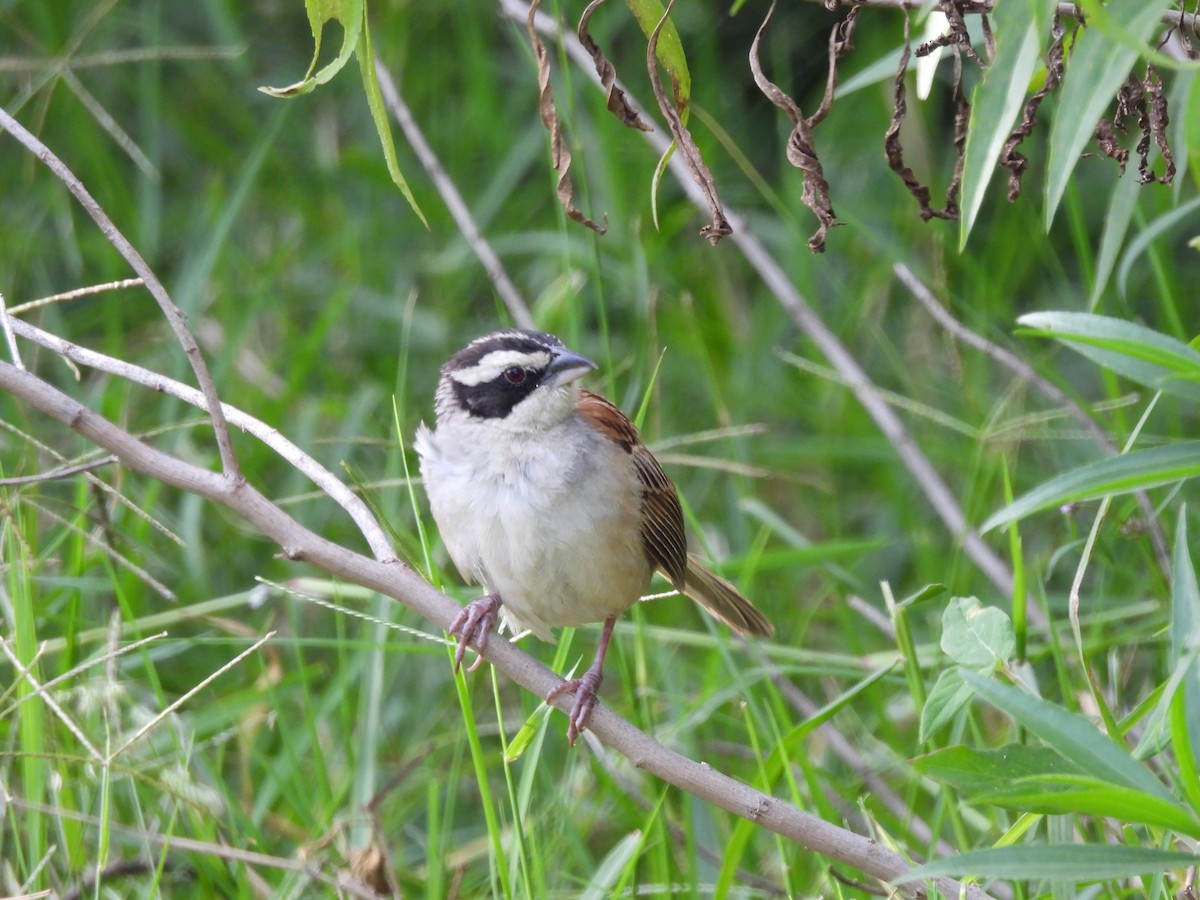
column 1062, row 862
column 1088, row 796
column 1148, row 357
column 1137, row 471
column 1021, row 30
column 1070, row 734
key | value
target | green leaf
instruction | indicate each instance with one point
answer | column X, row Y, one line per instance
column 1141, row 354
column 1061, row 862
column 977, row 771
column 1090, row 796
column 976, row 636
column 947, row 696
column 1021, row 31
column 1096, row 69
column 669, row 50
column 366, row 66
column 352, row 16
column 1071, row 735
column 1135, row 471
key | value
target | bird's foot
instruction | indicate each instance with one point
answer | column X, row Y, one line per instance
column 585, row 688
column 472, row 626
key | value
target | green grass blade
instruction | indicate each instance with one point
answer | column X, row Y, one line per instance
column 1066, row 862
column 1146, row 356
column 1135, row 471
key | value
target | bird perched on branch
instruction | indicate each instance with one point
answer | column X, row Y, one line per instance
column 545, row 494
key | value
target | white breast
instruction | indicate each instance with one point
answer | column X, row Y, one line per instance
column 550, row 522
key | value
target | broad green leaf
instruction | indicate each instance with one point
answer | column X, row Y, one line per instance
column 947, row 696
column 1148, row 357
column 1021, row 32
column 1097, row 67
column 1136, row 471
column 669, row 51
column 976, row 636
column 1096, row 14
column 1070, row 734
column 1090, row 796
column 977, row 771
column 1061, row 862
column 352, row 16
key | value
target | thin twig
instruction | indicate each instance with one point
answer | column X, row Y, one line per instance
column 182, row 699
column 26, row 672
column 1047, row 389
column 6, row 327
column 86, row 291
column 517, row 308
column 58, row 474
column 174, row 315
column 333, row 487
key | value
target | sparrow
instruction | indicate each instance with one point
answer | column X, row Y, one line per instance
column 545, row 494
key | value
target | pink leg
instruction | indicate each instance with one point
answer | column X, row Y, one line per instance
column 473, row 625
column 585, row 687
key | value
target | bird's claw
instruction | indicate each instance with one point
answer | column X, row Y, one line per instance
column 585, row 689
column 473, row 625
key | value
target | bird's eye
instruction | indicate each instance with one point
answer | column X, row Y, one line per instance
column 515, row 374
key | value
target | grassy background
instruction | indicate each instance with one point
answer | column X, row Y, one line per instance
column 321, row 302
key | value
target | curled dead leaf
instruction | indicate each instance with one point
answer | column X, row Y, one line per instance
column 719, row 227
column 560, row 156
column 618, row 104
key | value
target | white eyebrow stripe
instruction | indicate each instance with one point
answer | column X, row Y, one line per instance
column 490, row 367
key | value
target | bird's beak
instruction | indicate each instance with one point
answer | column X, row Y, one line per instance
column 566, row 367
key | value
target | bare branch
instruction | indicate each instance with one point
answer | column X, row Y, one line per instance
column 320, row 476
column 174, row 315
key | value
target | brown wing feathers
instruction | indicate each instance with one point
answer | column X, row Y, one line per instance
column 663, row 534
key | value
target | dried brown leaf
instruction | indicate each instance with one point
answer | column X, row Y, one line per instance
column 1010, row 158
column 1154, row 120
column 618, row 105
column 1110, row 144
column 800, row 151
column 719, row 227
column 560, row 156
column 892, row 148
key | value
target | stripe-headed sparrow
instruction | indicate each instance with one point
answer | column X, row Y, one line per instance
column 545, row 494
